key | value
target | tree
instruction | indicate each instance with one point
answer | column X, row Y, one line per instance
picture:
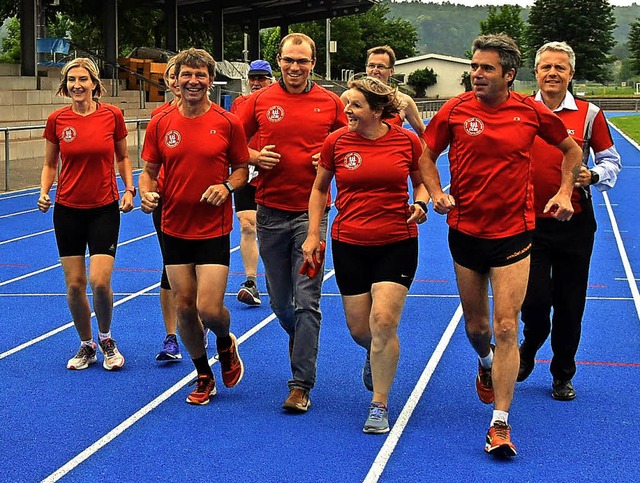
column 504, row 20
column 10, row 52
column 419, row 80
column 634, row 46
column 357, row 33
column 587, row 26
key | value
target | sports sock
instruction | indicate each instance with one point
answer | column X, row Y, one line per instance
column 500, row 416
column 87, row 342
column 252, row 278
column 223, row 343
column 104, row 335
column 202, row 366
column 487, row 361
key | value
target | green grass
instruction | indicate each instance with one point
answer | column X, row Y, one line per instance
column 630, row 125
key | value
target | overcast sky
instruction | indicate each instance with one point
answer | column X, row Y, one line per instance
column 522, row 3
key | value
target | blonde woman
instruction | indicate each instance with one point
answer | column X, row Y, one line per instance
column 375, row 252
column 84, row 137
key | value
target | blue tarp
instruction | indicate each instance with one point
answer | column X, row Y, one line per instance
column 48, row 45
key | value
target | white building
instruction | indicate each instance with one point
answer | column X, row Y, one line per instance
column 448, row 69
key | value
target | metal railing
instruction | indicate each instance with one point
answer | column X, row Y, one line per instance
column 7, row 145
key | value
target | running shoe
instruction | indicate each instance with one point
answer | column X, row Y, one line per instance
column 248, row 294
column 378, row 420
column 484, row 383
column 204, row 391
column 170, row 350
column 367, row 376
column 231, row 364
column 112, row 357
column 499, row 440
column 85, row 356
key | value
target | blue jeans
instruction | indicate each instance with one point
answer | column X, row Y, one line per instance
column 294, row 298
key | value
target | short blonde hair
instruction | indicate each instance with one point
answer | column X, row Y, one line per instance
column 90, row 67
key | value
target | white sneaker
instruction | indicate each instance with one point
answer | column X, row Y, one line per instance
column 85, row 356
column 112, row 357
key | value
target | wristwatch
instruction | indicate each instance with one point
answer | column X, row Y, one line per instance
column 131, row 189
column 228, row 185
column 422, row 205
column 595, row 177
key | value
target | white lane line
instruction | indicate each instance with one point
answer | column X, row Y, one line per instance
column 390, row 443
column 51, row 267
column 631, row 141
column 623, row 255
column 20, row 193
column 138, row 415
column 70, row 324
column 25, row 236
column 15, row 213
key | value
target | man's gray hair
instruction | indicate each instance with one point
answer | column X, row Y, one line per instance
column 557, row 47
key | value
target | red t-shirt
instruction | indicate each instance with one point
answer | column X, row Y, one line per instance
column 588, row 127
column 164, row 107
column 489, row 160
column 297, row 124
column 195, row 154
column 396, row 119
column 371, row 178
column 87, row 150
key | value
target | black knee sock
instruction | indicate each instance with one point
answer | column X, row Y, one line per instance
column 202, row 366
column 223, row 343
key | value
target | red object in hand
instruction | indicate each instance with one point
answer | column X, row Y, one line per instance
column 307, row 269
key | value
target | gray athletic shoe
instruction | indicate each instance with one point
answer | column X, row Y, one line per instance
column 378, row 420
column 249, row 294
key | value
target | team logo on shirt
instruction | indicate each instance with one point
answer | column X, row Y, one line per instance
column 172, row 138
column 69, row 134
column 352, row 161
column 275, row 114
column 473, row 126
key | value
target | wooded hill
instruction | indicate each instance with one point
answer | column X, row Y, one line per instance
column 449, row 28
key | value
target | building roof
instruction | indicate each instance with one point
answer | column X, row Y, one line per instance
column 446, row 58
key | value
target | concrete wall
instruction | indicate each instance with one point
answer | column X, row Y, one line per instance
column 28, row 101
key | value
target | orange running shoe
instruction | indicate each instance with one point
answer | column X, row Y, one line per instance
column 231, row 364
column 204, row 391
column 484, row 383
column 499, row 440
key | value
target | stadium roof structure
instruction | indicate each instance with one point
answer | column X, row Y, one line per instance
column 270, row 13
column 254, row 15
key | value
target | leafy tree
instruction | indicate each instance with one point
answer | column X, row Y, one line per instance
column 357, row 33
column 10, row 52
column 419, row 80
column 270, row 40
column 634, row 46
column 504, row 20
column 587, row 26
